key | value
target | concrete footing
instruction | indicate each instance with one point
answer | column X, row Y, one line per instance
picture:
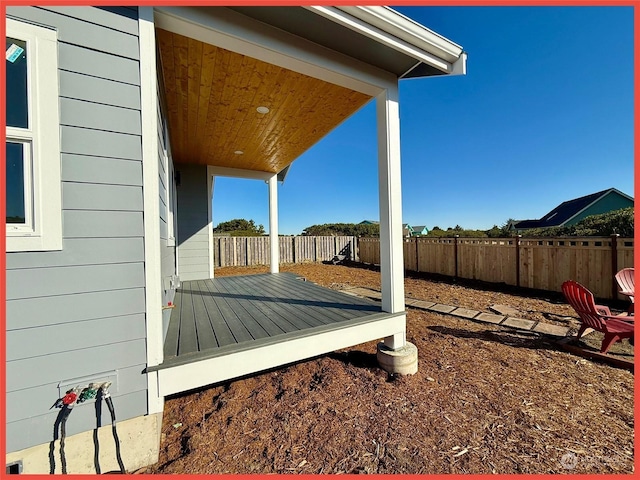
column 139, row 444
column 402, row 361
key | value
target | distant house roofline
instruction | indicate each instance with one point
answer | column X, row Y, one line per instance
column 568, row 210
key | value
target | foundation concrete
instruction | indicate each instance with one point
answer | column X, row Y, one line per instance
column 139, row 447
column 403, row 361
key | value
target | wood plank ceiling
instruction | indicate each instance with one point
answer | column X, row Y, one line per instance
column 212, row 95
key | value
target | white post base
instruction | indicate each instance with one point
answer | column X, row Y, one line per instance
column 396, row 341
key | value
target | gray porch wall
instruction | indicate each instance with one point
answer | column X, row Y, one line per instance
column 166, row 188
column 193, row 222
column 80, row 312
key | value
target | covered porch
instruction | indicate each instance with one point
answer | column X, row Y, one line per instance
column 223, row 328
column 245, row 92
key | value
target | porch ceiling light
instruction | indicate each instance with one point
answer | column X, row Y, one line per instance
column 262, row 110
column 238, row 152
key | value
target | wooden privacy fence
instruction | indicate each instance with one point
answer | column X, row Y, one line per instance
column 245, row 251
column 541, row 263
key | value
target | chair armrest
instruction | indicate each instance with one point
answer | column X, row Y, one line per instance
column 603, row 310
column 628, row 319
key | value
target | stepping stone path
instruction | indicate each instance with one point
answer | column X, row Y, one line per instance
column 504, row 315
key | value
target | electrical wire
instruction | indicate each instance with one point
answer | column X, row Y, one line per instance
column 63, row 434
column 114, row 430
column 96, row 440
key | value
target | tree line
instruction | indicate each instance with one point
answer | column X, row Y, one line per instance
column 617, row 222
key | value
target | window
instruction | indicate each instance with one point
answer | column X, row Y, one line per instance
column 33, row 193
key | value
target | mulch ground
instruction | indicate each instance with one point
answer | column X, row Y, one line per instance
column 485, row 399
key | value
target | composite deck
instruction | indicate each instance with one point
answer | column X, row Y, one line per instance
column 232, row 326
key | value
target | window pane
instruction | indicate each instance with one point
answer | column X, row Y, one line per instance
column 15, row 183
column 16, row 61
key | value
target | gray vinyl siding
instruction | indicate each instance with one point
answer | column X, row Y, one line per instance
column 193, row 223
column 80, row 312
column 166, row 184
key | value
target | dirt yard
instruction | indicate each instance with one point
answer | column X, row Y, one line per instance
column 485, row 399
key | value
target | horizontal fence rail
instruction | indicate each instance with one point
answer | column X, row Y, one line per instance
column 247, row 251
column 540, row 263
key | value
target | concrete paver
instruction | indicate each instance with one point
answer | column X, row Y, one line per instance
column 423, row 304
column 549, row 329
column 440, row 308
column 502, row 320
column 490, row 318
column 519, row 323
column 464, row 312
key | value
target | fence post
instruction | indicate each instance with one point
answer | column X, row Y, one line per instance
column 293, row 248
column 614, row 265
column 455, row 254
column 417, row 255
column 246, row 250
column 518, row 237
column 315, row 249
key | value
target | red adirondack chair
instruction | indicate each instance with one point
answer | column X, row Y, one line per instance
column 626, row 285
column 598, row 317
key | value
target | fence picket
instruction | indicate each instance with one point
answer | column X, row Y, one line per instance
column 539, row 263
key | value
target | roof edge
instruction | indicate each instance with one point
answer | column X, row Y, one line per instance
column 605, row 193
column 409, row 30
column 400, row 33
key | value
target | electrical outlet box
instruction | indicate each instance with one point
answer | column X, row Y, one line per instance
column 111, row 376
column 14, row 468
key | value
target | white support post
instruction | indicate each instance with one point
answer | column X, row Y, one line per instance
column 210, row 183
column 274, row 248
column 391, row 242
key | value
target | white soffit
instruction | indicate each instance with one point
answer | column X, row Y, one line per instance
column 399, row 32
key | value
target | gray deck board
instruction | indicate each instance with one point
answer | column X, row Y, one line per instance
column 237, row 328
column 297, row 297
column 188, row 340
column 205, row 333
column 267, row 294
column 223, row 315
column 286, row 320
column 173, row 331
column 266, row 321
column 220, row 327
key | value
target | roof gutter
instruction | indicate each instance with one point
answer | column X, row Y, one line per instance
column 400, row 33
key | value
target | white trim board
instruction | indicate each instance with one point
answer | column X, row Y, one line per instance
column 238, row 173
column 186, row 377
column 152, row 254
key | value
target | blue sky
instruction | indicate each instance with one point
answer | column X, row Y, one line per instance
column 544, row 114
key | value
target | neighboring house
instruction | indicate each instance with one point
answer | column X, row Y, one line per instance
column 406, row 230
column 118, row 121
column 572, row 211
column 369, row 222
column 419, row 230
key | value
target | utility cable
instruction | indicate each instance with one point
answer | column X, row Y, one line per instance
column 68, row 401
column 107, row 397
column 96, row 440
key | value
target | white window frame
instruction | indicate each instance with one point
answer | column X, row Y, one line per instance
column 43, row 191
column 169, row 175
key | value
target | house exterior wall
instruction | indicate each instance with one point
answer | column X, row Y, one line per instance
column 193, row 223
column 610, row 202
column 79, row 313
column 167, row 191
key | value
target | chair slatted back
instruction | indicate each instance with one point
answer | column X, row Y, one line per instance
column 626, row 281
column 582, row 301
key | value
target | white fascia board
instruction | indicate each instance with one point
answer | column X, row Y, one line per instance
column 393, row 29
column 235, row 32
column 238, row 173
column 199, row 373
